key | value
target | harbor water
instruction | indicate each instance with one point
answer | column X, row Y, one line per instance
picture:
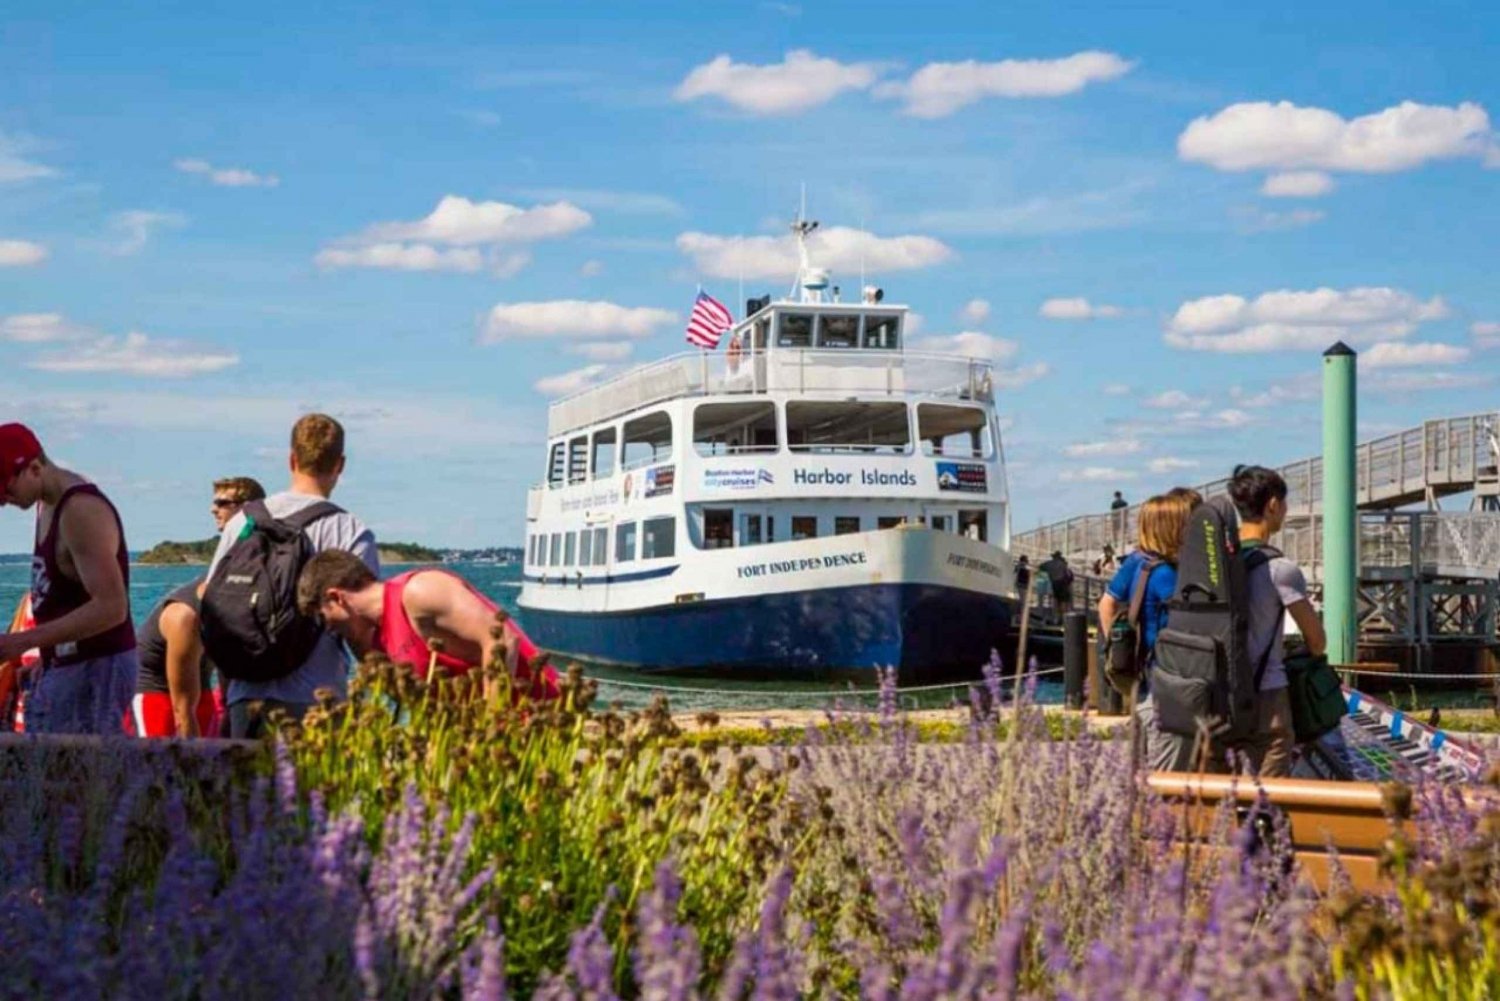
column 502, row 583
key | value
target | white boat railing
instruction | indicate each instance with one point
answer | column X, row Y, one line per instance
column 792, row 370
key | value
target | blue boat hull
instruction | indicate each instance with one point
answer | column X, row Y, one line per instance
column 927, row 631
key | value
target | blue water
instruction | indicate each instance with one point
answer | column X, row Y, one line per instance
column 503, row 585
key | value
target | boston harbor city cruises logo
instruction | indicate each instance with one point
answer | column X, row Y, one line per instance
column 737, row 478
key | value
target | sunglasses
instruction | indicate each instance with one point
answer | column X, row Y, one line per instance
column 226, row 502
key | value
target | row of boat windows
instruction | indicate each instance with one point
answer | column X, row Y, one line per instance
column 653, row 539
column 761, row 426
column 831, row 330
column 656, row 538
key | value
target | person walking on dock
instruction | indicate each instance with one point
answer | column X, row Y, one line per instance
column 426, row 619
column 1060, row 575
column 80, row 594
column 316, row 463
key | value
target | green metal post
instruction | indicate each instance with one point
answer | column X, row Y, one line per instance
column 1340, row 520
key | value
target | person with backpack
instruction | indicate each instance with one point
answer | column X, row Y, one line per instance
column 402, row 618
column 274, row 657
column 1060, row 576
column 1276, row 589
column 80, row 594
column 1134, row 609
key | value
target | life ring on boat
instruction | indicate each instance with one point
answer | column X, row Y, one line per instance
column 734, row 353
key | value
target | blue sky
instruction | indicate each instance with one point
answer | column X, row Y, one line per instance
column 1152, row 220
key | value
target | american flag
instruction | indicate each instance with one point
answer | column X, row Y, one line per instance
column 708, row 322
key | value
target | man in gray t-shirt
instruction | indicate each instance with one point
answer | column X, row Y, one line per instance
column 317, row 461
column 1277, row 589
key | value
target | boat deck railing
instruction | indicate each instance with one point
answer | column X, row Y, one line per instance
column 809, row 371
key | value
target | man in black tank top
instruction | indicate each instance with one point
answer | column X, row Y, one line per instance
column 173, row 697
column 80, row 594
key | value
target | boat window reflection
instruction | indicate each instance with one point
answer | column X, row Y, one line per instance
column 794, row 330
column 882, row 332
column 838, row 331
column 625, row 542
column 604, row 453
column 648, row 439
column 734, row 428
column 851, row 426
column 958, row 431
column 804, row 527
column 658, row 538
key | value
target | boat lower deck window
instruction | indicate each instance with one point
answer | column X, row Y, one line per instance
column 734, row 428
column 846, row 524
column 794, row 330
column 586, row 548
column 959, row 431
column 942, row 523
column 658, row 538
column 974, row 524
column 718, row 528
column 555, row 550
column 625, row 542
column 804, row 527
column 601, row 546
column 750, row 530
column 570, row 549
column 889, row 521
column 848, row 426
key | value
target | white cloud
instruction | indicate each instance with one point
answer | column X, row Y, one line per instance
column 1077, row 309
column 1301, row 388
column 1095, row 474
column 1297, row 184
column 939, row 89
column 137, row 354
column 134, row 229
column 1425, row 382
column 802, row 81
column 40, row 328
column 573, row 318
column 1254, row 219
column 1287, row 320
column 602, row 350
column 1113, row 446
column 623, row 202
column 837, row 247
column 566, row 383
column 1399, row 354
column 975, row 311
column 14, row 165
column 459, row 222
column 591, row 269
column 20, row 253
column 969, row 344
column 1283, row 136
column 226, row 177
column 1117, row 389
column 1175, row 399
column 1486, row 333
column 1221, row 420
column 1171, row 464
column 402, row 257
column 1015, row 378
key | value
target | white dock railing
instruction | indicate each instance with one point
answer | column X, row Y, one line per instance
column 807, row 371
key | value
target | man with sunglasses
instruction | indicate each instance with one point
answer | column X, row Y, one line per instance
column 231, row 494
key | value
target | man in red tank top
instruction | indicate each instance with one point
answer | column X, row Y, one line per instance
column 403, row 615
column 80, row 594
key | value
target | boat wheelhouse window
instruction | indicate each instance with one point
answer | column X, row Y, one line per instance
column 570, row 549
column 557, row 465
column 658, row 538
column 794, row 330
column 750, row 530
column 734, row 428
column 804, row 527
column 949, row 430
column 883, row 332
column 889, row 521
column 648, row 439
column 974, row 524
column 578, row 459
column 601, row 546
column 586, row 548
column 554, row 557
column 838, row 331
column 625, row 542
column 604, row 453
column 845, row 524
column 718, row 528
column 847, row 426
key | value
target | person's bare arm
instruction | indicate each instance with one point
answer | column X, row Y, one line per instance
column 87, row 530
column 179, row 627
column 1108, row 609
column 1310, row 626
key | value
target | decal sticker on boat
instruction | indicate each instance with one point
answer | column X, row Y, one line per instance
column 964, row 477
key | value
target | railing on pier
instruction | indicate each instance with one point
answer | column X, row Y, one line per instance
column 795, row 370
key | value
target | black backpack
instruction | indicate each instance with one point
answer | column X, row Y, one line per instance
column 1203, row 667
column 1126, row 654
column 250, row 624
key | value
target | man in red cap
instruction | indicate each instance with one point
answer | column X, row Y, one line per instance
column 80, row 594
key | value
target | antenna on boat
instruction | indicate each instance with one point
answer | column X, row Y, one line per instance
column 811, row 282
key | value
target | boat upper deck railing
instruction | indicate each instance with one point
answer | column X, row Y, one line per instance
column 812, row 371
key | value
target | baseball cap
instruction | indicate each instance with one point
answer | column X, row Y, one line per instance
column 18, row 446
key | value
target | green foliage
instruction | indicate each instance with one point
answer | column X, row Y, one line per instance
column 201, row 551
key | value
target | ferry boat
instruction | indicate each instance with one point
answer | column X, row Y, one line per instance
column 814, row 501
